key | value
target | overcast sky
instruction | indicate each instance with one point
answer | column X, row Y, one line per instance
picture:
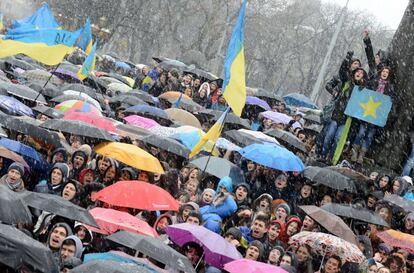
column 388, row 12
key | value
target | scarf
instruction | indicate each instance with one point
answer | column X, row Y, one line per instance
column 381, row 86
column 14, row 186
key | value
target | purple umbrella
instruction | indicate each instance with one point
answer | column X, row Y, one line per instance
column 259, row 102
column 217, row 251
column 276, row 117
column 66, row 75
column 14, row 107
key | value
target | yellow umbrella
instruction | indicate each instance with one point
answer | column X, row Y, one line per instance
column 183, row 117
column 130, row 81
column 130, row 155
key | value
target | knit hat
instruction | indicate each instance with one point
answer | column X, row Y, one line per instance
column 213, row 193
column 259, row 246
column 385, row 248
column 193, row 205
column 86, row 149
column 237, row 234
column 285, row 207
column 64, row 169
column 245, row 185
column 18, row 167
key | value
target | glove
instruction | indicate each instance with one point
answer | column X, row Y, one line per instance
column 349, row 55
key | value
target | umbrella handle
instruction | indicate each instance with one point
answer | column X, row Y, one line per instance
column 323, row 260
column 199, row 261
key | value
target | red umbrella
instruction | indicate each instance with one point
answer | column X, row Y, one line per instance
column 93, row 119
column 138, row 195
column 111, row 221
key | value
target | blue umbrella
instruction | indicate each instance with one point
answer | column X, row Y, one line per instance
column 273, row 156
column 148, row 110
column 299, row 100
column 14, row 106
column 259, row 102
column 21, row 149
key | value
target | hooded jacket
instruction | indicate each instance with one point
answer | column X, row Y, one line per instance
column 60, row 224
column 45, row 186
column 283, row 233
column 225, row 182
column 62, row 151
column 74, row 173
column 19, row 184
column 256, row 202
column 78, row 245
column 89, row 234
column 169, row 219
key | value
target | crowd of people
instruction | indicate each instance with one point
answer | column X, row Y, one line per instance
column 258, row 215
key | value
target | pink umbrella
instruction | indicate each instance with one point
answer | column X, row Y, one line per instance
column 141, row 121
column 276, row 117
column 249, row 266
column 110, row 221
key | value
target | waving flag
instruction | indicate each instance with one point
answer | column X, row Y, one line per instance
column 85, row 40
column 88, row 65
column 213, row 134
column 41, row 19
column 1, row 22
column 234, row 85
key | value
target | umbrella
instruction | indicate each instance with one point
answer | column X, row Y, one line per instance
column 169, row 64
column 127, row 99
column 331, row 223
column 258, row 102
column 398, row 239
column 80, row 88
column 287, row 138
column 356, row 213
column 125, row 193
column 23, row 92
column 354, row 175
column 313, row 117
column 12, row 209
column 399, row 201
column 130, row 155
column 262, row 93
column 50, row 90
column 41, row 75
column 153, row 248
column 249, row 266
column 15, row 62
column 13, row 106
column 240, row 138
column 77, row 106
column 329, row 178
column 273, row 156
column 75, row 127
column 259, row 135
column 147, row 110
column 143, row 96
column 173, row 96
column 191, row 106
column 110, row 221
column 30, row 127
column 223, row 143
column 230, row 118
column 98, row 121
column 299, row 100
column 119, row 256
column 47, row 111
column 6, row 153
column 219, row 168
column 167, row 144
column 119, row 77
column 183, row 117
column 276, row 117
column 21, row 149
column 19, row 250
column 142, row 122
column 77, row 96
column 119, row 87
column 131, row 131
column 327, row 245
column 59, row 206
column 201, row 73
column 217, row 251
column 102, row 266
column 66, row 74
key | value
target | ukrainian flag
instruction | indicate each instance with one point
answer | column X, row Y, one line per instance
column 40, row 19
column 1, row 22
column 212, row 135
column 88, row 65
column 234, row 85
column 85, row 40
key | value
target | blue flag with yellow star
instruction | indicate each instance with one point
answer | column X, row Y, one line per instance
column 369, row 106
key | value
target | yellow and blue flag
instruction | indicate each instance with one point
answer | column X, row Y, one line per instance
column 88, row 65
column 41, row 19
column 212, row 135
column 369, row 106
column 234, row 85
column 1, row 22
column 85, row 40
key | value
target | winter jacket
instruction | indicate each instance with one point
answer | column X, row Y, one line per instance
column 45, row 186
column 225, row 182
column 78, row 245
column 247, row 234
column 203, row 101
column 223, row 205
column 20, row 183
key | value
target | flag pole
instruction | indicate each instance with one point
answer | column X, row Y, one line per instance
column 50, row 77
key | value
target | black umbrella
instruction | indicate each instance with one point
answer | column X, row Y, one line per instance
column 23, row 92
column 12, row 209
column 108, row 266
column 47, row 111
column 354, row 175
column 356, row 213
column 401, row 202
column 153, row 248
column 313, row 117
column 190, row 106
column 77, row 128
column 230, row 118
column 80, row 88
column 170, row 64
column 59, row 206
column 132, row 131
column 20, row 63
column 329, row 178
column 50, row 90
column 219, row 167
column 262, row 93
column 118, row 77
column 287, row 138
column 143, row 96
column 30, row 127
column 202, row 73
column 21, row 251
column 127, row 99
column 167, row 144
column 240, row 138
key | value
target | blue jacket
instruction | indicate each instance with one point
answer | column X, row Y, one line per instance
column 227, row 208
column 225, row 182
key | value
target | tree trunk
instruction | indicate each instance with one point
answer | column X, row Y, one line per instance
column 391, row 151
